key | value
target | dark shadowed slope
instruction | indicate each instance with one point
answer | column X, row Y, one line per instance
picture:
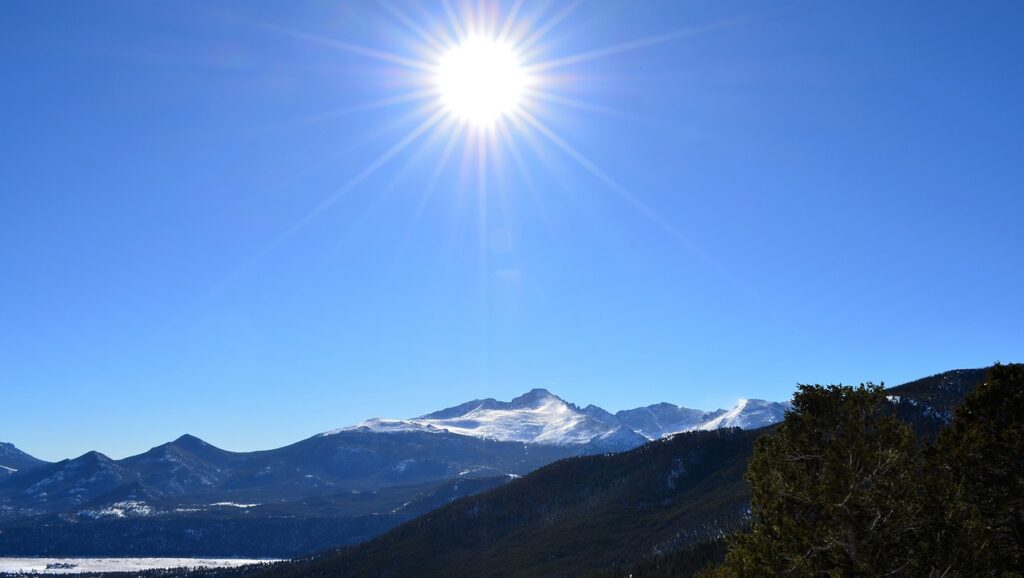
column 928, row 403
column 573, row 517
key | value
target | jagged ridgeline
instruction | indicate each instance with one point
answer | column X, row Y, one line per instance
column 660, row 510
column 190, row 498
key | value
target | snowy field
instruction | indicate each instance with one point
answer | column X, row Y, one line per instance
column 48, row 566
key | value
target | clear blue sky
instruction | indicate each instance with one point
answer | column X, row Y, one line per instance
column 833, row 193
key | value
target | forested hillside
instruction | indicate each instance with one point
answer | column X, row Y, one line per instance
column 845, row 488
column 574, row 517
column 659, row 510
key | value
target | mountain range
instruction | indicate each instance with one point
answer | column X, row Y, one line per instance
column 412, row 497
column 540, row 417
column 655, row 511
column 188, row 497
column 658, row 510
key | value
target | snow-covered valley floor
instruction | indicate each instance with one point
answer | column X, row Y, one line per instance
column 48, row 566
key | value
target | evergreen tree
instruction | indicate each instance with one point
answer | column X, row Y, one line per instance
column 976, row 483
column 834, row 490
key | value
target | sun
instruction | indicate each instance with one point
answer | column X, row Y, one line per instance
column 486, row 80
column 481, row 80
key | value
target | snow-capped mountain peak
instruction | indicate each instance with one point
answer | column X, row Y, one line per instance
column 661, row 419
column 749, row 414
column 535, row 398
column 600, row 414
column 539, row 416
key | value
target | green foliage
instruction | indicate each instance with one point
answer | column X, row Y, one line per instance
column 833, row 489
column 843, row 488
column 977, row 469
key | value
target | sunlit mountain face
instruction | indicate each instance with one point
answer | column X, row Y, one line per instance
column 542, row 417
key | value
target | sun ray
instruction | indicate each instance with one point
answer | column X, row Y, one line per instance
column 615, row 186
column 482, row 18
column 482, row 199
column 615, row 49
column 435, row 44
column 360, row 177
column 428, row 189
column 524, row 173
column 421, row 94
column 334, row 197
column 396, row 176
column 467, row 156
column 510, row 20
column 580, row 104
column 637, row 44
column 453, row 20
column 349, row 47
column 527, row 43
column 363, row 140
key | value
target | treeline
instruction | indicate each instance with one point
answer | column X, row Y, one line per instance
column 844, row 488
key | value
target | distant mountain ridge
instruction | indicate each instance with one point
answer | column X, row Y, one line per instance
column 541, row 417
column 190, row 498
column 13, row 460
column 602, row 515
column 336, row 488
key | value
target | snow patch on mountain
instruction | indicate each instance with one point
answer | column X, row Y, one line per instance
column 535, row 417
column 384, row 425
column 541, row 417
column 749, row 414
column 657, row 421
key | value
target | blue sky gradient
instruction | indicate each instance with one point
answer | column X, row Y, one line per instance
column 832, row 193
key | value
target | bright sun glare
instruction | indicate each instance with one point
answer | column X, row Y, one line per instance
column 492, row 86
column 481, row 80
